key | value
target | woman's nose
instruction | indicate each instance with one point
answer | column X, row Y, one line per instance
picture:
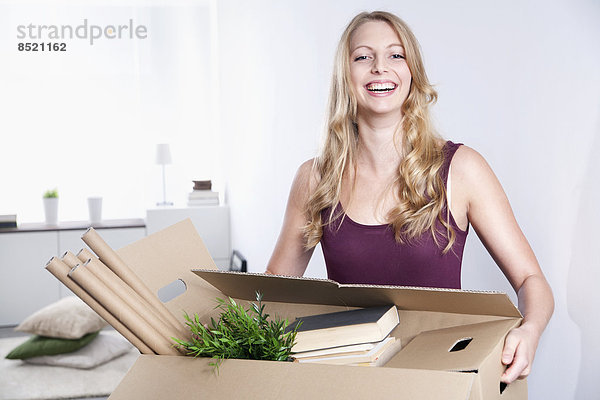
column 379, row 66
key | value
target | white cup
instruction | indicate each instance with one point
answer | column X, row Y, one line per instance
column 95, row 209
column 51, row 210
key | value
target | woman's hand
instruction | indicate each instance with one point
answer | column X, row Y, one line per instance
column 518, row 353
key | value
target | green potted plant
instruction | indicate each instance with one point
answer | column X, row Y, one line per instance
column 50, row 199
column 239, row 333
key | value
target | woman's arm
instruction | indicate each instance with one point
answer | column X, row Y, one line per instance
column 289, row 256
column 489, row 211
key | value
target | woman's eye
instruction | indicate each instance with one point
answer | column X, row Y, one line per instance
column 398, row 56
column 360, row 58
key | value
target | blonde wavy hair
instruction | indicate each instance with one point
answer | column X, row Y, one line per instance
column 419, row 187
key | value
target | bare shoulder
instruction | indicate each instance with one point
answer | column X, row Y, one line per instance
column 477, row 186
column 306, row 169
column 306, row 176
column 468, row 166
column 304, row 182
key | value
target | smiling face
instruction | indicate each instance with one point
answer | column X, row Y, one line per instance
column 378, row 70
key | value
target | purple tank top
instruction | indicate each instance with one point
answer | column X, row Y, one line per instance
column 369, row 254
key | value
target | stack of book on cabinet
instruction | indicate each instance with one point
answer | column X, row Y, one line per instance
column 356, row 337
column 202, row 195
column 8, row 220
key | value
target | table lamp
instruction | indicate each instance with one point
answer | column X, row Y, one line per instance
column 163, row 157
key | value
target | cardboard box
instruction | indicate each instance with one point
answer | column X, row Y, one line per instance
column 432, row 322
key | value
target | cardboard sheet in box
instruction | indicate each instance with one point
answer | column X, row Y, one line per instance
column 432, row 323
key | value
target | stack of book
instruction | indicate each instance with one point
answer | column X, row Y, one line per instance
column 8, row 221
column 356, row 337
column 202, row 195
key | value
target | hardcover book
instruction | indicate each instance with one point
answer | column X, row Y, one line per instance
column 8, row 220
column 336, row 351
column 344, row 328
column 383, row 350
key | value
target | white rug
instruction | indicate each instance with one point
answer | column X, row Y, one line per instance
column 19, row 381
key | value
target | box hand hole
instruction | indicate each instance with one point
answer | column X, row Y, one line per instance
column 461, row 344
column 172, row 290
column 502, row 386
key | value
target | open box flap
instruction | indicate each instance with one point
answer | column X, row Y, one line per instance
column 167, row 377
column 322, row 291
column 169, row 255
column 460, row 348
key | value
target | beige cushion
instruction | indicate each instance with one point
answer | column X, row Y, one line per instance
column 68, row 318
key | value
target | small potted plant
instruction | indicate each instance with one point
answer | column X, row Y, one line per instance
column 51, row 206
column 239, row 333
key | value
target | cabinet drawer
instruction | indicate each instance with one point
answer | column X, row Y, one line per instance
column 26, row 286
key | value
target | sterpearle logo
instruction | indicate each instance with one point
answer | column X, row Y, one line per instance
column 86, row 31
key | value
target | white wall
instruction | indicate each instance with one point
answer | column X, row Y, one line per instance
column 87, row 120
column 518, row 81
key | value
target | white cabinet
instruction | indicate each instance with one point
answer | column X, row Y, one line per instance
column 211, row 222
column 115, row 237
column 25, row 285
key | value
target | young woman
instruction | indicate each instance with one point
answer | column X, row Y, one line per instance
column 390, row 201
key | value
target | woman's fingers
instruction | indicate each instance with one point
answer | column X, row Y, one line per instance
column 517, row 356
column 510, row 346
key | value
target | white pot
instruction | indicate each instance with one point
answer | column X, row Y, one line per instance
column 51, row 210
column 95, row 209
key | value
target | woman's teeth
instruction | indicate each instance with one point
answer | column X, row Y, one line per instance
column 381, row 87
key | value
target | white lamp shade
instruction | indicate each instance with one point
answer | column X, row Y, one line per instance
column 163, row 154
